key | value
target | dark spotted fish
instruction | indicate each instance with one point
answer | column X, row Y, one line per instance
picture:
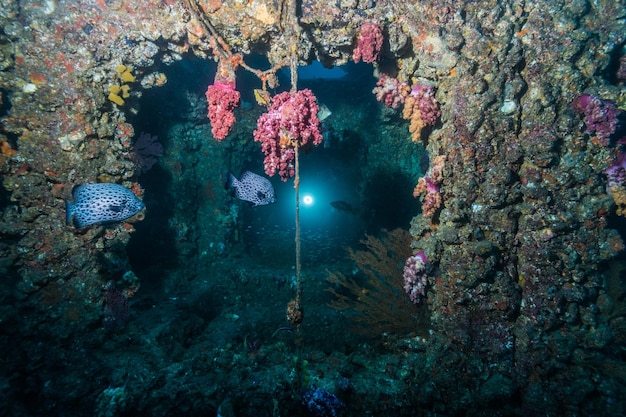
column 253, row 188
column 101, row 203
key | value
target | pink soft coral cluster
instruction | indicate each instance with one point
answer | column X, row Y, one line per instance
column 430, row 185
column 432, row 198
column 601, row 116
column 290, row 121
column 415, row 277
column 369, row 43
column 390, row 91
column 222, row 100
column 421, row 108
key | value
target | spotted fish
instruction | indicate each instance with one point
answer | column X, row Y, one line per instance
column 101, row 203
column 253, row 188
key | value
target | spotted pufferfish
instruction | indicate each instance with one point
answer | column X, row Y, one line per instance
column 252, row 187
column 101, row 203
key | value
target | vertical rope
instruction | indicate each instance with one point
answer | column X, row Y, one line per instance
column 298, row 300
column 296, row 185
column 294, row 308
column 293, row 68
column 294, row 35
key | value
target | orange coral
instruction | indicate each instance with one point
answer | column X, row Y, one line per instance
column 411, row 112
column 421, row 108
column 6, row 149
column 420, row 187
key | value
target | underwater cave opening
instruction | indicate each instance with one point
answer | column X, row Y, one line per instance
column 350, row 195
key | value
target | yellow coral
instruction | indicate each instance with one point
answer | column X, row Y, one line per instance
column 124, row 89
column 127, row 77
column 117, row 94
column 116, row 99
column 125, row 73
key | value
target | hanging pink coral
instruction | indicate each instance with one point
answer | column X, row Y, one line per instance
column 290, row 121
column 222, row 100
column 369, row 43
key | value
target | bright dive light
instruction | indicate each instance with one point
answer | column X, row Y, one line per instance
column 307, row 200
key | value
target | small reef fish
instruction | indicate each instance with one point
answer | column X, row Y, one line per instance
column 253, row 188
column 101, row 203
column 262, row 97
column 324, row 112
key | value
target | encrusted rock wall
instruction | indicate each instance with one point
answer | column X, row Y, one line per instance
column 522, row 232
